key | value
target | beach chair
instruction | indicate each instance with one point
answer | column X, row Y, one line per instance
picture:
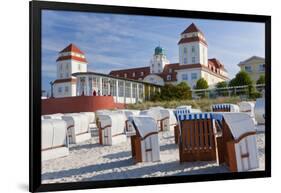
column 160, row 115
column 54, row 139
column 77, row 127
column 91, row 116
column 198, row 137
column 144, row 139
column 225, row 108
column 248, row 108
column 172, row 120
column 259, row 111
column 111, row 128
column 53, row 116
column 179, row 111
column 239, row 147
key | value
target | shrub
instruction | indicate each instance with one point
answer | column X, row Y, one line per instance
column 201, row 84
column 261, row 80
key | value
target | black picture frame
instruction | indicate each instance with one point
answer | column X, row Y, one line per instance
column 36, row 8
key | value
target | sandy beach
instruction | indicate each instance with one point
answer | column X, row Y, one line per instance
column 90, row 161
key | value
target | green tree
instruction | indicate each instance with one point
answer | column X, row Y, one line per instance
column 183, row 91
column 222, row 92
column 261, row 80
column 168, row 92
column 222, row 84
column 242, row 78
column 201, row 84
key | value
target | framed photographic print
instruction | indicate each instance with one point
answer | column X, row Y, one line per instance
column 125, row 96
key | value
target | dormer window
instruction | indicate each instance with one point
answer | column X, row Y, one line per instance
column 141, row 73
column 170, row 70
column 169, row 77
column 125, row 75
column 134, row 74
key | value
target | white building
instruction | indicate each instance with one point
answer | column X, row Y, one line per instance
column 193, row 63
column 70, row 60
column 74, row 79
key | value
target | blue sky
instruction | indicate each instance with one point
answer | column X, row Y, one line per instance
column 114, row 41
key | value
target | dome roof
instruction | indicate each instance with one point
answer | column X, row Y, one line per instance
column 159, row 51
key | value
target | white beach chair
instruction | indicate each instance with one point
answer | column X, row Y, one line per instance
column 53, row 116
column 160, row 115
column 225, row 108
column 144, row 144
column 112, row 128
column 239, row 141
column 248, row 108
column 260, row 111
column 77, row 127
column 54, row 139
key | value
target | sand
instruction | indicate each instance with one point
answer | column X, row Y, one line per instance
column 90, row 161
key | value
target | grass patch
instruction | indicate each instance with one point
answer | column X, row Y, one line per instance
column 203, row 104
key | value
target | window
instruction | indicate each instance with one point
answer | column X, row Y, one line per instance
column 125, row 75
column 192, row 49
column 59, row 89
column 141, row 73
column 152, row 65
column 262, row 67
column 117, row 75
column 134, row 91
column 66, row 67
column 184, row 76
column 193, row 76
column 185, row 50
column 66, row 89
column 121, row 88
column 159, row 64
column 134, row 74
column 185, row 60
column 248, row 68
column 61, row 75
column 61, row 66
column 170, row 70
column 127, row 89
column 169, row 77
column 193, row 60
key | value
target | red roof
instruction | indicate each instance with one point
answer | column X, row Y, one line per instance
column 72, row 80
column 70, row 57
column 72, row 48
column 129, row 73
column 191, row 28
column 192, row 39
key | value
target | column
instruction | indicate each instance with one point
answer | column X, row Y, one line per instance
column 124, row 91
column 100, row 82
column 117, row 92
column 143, row 91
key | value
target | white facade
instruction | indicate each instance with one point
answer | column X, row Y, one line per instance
column 158, row 61
column 67, row 67
column 194, row 52
column 190, row 76
column 68, row 62
column 154, row 79
column 64, row 89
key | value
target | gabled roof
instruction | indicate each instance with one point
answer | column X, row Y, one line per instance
column 191, row 28
column 251, row 58
column 72, row 48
